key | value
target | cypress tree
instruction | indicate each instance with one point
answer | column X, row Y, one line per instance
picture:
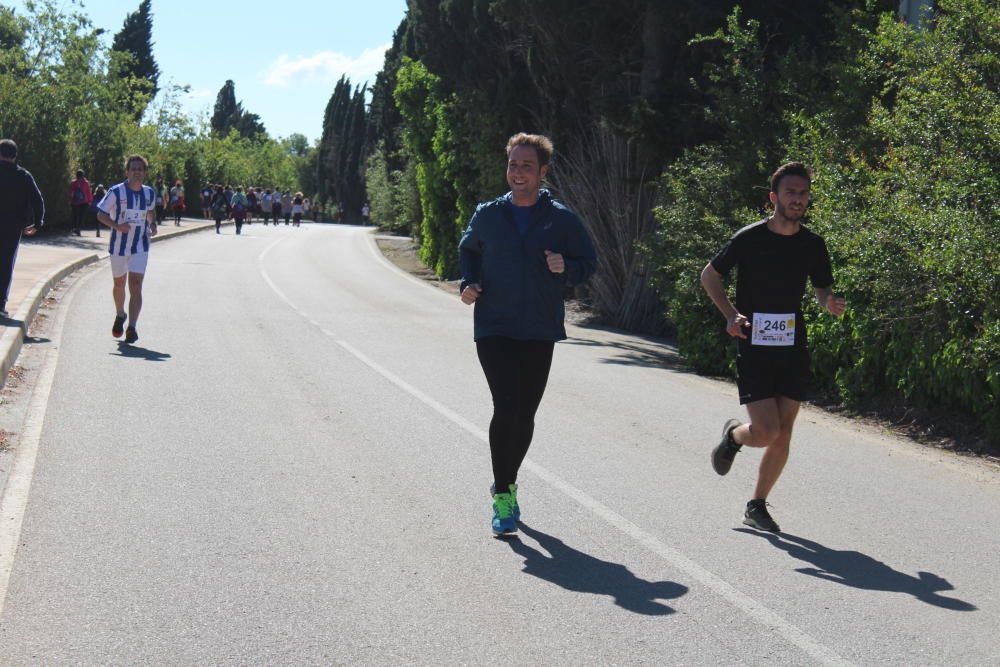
column 330, row 162
column 226, row 109
column 136, row 39
column 229, row 114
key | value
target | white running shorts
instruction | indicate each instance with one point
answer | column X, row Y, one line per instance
column 122, row 264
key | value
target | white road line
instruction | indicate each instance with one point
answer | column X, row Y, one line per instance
column 15, row 496
column 752, row 608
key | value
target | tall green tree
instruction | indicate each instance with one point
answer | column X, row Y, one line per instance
column 229, row 114
column 136, row 40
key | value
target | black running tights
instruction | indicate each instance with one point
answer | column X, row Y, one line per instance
column 517, row 371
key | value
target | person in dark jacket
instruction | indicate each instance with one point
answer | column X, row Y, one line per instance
column 21, row 209
column 518, row 254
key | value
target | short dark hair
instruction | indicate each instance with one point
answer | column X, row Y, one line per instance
column 79, row 173
column 542, row 145
column 8, row 148
column 134, row 158
column 790, row 169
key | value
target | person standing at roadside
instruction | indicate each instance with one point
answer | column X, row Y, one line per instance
column 773, row 258
column 206, row 201
column 177, row 204
column 99, row 193
column 80, row 198
column 518, row 254
column 22, row 209
column 160, row 190
column 128, row 210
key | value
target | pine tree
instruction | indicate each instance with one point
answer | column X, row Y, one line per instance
column 136, row 40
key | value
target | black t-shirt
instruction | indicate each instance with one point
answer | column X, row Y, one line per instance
column 772, row 270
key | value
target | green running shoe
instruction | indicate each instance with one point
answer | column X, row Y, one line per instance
column 513, row 492
column 503, row 514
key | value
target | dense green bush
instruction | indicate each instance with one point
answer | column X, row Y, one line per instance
column 914, row 225
column 905, row 144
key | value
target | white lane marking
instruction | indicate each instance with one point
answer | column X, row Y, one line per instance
column 752, row 608
column 14, row 502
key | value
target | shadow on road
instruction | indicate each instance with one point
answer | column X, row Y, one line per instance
column 642, row 351
column 134, row 352
column 576, row 571
column 856, row 569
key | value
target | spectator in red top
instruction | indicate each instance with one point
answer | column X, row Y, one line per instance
column 80, row 198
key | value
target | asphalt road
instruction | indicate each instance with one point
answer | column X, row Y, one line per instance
column 290, row 467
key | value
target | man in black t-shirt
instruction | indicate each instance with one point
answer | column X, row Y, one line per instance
column 773, row 258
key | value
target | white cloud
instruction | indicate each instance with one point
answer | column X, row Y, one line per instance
column 326, row 67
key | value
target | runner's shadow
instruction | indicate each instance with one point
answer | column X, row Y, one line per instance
column 856, row 569
column 133, row 352
column 577, row 571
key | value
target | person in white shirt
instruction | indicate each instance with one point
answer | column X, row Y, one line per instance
column 128, row 209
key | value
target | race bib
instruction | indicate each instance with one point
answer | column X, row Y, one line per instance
column 134, row 217
column 774, row 329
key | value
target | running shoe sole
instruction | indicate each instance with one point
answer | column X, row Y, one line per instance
column 131, row 336
column 723, row 454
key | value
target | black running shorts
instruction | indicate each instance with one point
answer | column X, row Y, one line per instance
column 770, row 373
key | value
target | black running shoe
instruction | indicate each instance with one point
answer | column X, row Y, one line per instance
column 118, row 328
column 725, row 451
column 130, row 335
column 758, row 517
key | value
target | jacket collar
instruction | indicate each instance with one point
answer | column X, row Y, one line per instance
column 544, row 199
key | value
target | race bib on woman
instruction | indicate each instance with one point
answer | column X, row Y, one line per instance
column 774, row 329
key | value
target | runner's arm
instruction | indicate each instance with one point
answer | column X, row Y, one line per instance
column 711, row 280
column 37, row 203
column 835, row 305
column 106, row 220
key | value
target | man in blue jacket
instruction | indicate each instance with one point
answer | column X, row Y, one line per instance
column 517, row 256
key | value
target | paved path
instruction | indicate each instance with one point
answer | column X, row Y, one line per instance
column 292, row 468
column 42, row 262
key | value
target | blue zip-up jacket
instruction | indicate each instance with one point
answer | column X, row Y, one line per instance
column 521, row 298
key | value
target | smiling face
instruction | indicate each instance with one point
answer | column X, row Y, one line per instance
column 136, row 174
column 792, row 198
column 525, row 174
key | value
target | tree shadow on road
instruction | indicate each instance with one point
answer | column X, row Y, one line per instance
column 856, row 569
column 577, row 571
column 135, row 352
column 634, row 351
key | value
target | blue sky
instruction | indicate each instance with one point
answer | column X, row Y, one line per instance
column 284, row 56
